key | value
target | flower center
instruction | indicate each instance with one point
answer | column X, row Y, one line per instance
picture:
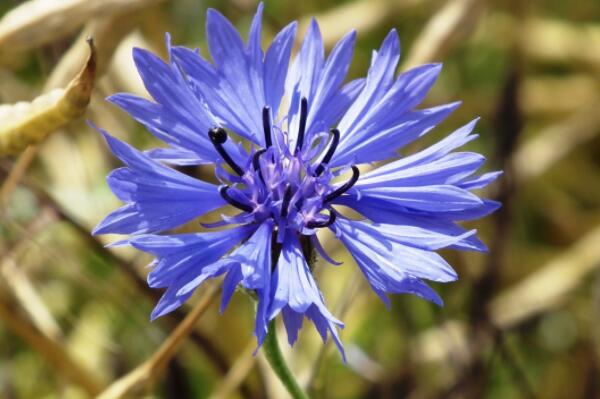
column 292, row 187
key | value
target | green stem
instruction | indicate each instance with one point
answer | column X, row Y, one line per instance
column 273, row 355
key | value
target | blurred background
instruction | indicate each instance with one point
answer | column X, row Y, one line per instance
column 522, row 321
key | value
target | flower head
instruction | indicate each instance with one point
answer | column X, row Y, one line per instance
column 309, row 132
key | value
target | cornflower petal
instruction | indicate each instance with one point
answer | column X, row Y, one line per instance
column 398, row 260
column 183, row 261
column 284, row 184
column 277, row 60
column 157, row 197
column 235, row 68
column 381, row 270
column 331, row 78
column 303, row 77
column 255, row 260
column 295, row 293
column 174, row 156
column 382, row 212
column 378, row 82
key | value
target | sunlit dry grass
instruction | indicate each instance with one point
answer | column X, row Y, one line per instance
column 522, row 321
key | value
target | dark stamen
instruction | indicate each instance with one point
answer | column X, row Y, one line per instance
column 266, row 119
column 256, row 158
column 218, row 137
column 329, row 222
column 287, row 196
column 234, row 202
column 302, row 127
column 335, row 139
column 256, row 163
column 347, row 186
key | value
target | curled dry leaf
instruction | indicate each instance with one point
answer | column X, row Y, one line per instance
column 26, row 123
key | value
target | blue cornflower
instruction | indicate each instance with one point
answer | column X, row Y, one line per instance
column 306, row 128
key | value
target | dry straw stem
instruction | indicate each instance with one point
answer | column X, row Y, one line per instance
column 237, row 373
column 548, row 287
column 555, row 40
column 362, row 15
column 54, row 353
column 202, row 342
column 146, row 373
column 555, row 142
column 107, row 33
column 544, row 289
column 122, row 71
column 546, row 40
column 22, row 288
column 12, row 180
column 446, row 28
column 537, row 95
column 349, row 293
column 24, row 124
column 24, row 291
column 36, row 22
column 540, row 292
column 273, row 386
